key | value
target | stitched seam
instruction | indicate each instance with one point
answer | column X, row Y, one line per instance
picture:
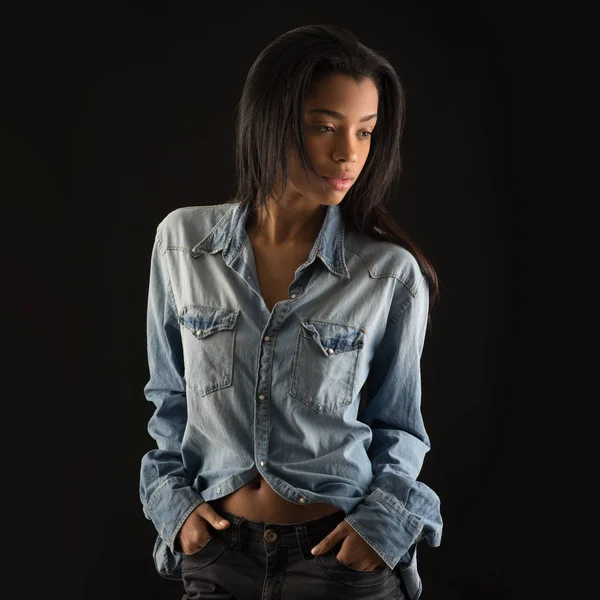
column 401, row 310
column 157, row 493
column 344, row 245
column 351, row 399
column 246, row 263
column 221, row 384
column 221, row 483
column 294, row 391
column 406, row 514
column 268, row 411
column 170, row 293
column 188, row 249
column 330, row 267
column 295, row 364
column 196, row 206
column 404, row 282
column 230, row 236
column 186, row 514
column 362, row 534
column 336, row 323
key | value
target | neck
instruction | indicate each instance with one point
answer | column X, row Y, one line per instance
column 286, row 226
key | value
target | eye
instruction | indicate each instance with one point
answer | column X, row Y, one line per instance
column 327, row 128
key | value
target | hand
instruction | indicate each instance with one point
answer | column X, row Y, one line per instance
column 194, row 533
column 354, row 552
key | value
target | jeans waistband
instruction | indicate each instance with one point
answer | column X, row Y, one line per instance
column 303, row 534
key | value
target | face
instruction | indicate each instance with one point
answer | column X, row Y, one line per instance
column 339, row 119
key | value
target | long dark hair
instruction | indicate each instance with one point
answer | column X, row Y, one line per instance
column 270, row 112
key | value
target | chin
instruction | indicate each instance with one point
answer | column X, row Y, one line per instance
column 332, row 197
column 335, row 198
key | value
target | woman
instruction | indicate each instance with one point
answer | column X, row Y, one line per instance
column 285, row 329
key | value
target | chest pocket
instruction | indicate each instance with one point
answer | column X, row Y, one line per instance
column 208, row 336
column 325, row 363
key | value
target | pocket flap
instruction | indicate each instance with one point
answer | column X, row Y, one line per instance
column 205, row 320
column 334, row 338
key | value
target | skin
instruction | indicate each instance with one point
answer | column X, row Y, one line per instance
column 333, row 143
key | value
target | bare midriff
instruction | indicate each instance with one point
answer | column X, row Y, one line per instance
column 258, row 501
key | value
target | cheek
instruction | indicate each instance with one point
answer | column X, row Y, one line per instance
column 317, row 147
column 362, row 158
column 365, row 152
column 297, row 173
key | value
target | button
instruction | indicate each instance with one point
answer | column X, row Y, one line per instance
column 364, row 330
column 270, row 535
column 262, row 397
column 267, row 338
column 302, row 500
column 262, row 463
column 199, row 332
column 218, row 490
column 330, row 350
column 293, row 296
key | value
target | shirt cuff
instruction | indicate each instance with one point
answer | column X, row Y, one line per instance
column 170, row 505
column 386, row 525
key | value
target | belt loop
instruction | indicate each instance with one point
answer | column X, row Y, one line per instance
column 303, row 540
column 237, row 534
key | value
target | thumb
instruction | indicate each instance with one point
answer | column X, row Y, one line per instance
column 213, row 517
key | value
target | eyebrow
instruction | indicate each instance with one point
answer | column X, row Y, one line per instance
column 339, row 115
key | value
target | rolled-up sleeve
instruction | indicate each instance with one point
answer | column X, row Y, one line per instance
column 399, row 510
column 165, row 490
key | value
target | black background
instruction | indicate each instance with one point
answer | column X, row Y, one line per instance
column 116, row 114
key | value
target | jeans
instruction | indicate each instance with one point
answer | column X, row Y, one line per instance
column 268, row 561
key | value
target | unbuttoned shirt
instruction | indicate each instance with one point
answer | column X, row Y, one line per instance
column 320, row 395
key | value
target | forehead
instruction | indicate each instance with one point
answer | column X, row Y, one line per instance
column 339, row 91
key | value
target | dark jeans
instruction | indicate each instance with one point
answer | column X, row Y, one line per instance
column 269, row 561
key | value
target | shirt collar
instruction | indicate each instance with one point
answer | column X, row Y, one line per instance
column 229, row 236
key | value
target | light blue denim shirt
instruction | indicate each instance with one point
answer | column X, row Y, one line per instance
column 321, row 395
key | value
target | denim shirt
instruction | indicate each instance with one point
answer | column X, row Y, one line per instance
column 320, row 395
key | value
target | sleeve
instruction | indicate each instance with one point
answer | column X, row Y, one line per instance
column 399, row 510
column 165, row 490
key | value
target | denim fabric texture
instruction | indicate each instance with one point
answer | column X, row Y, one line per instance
column 251, row 560
column 321, row 395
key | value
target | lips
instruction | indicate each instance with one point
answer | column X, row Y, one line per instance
column 340, row 176
column 337, row 183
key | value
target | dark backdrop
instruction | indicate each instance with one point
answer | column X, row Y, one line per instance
column 116, row 115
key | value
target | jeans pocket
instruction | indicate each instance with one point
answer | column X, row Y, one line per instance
column 205, row 555
column 350, row 576
column 325, row 362
column 208, row 336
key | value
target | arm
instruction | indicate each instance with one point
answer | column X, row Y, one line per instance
column 165, row 489
column 400, row 510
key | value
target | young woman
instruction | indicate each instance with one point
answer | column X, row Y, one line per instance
column 285, row 330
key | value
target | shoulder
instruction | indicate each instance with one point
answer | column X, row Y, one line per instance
column 184, row 227
column 386, row 259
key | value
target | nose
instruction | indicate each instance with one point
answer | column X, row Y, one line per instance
column 345, row 149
